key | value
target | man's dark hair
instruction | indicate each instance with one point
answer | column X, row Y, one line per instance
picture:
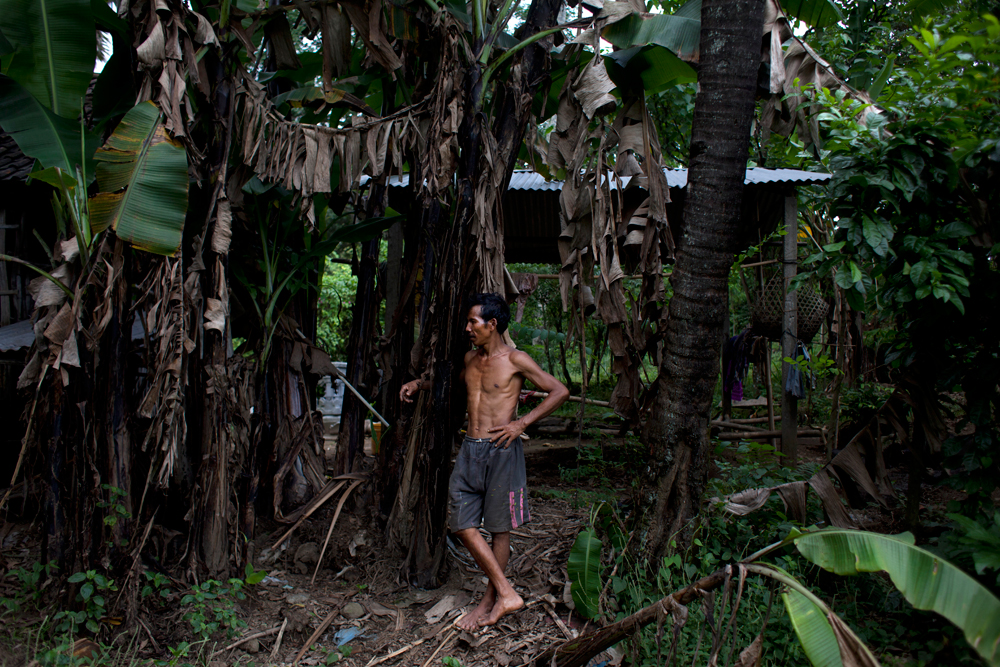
column 491, row 306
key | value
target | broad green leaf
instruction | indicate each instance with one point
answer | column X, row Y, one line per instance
column 856, row 300
column 55, row 48
column 679, row 34
column 113, row 93
column 143, row 178
column 925, row 580
column 874, row 238
column 364, row 230
column 918, row 273
column 918, row 45
column 584, row 570
column 54, row 177
column 690, row 9
column 5, row 46
column 649, row 68
column 813, row 630
column 878, row 84
column 855, row 272
column 921, row 8
column 954, row 230
column 52, row 140
column 107, row 18
column 817, row 13
column 256, row 577
column 843, row 277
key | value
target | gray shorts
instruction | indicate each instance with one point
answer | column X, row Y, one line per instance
column 488, row 486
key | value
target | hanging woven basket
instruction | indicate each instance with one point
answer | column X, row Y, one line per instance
column 768, row 311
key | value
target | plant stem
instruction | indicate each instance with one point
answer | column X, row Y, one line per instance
column 58, row 283
column 527, row 42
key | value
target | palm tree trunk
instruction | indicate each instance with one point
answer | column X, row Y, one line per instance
column 677, row 433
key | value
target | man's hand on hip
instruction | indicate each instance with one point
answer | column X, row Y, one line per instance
column 506, row 434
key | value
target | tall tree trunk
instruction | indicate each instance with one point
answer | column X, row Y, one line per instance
column 361, row 348
column 677, row 433
column 214, row 525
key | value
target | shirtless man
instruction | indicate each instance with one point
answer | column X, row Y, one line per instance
column 488, row 484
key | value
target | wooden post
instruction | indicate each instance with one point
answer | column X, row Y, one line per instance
column 768, row 385
column 789, row 333
column 727, row 397
column 6, row 300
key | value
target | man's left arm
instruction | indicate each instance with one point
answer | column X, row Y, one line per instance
column 558, row 393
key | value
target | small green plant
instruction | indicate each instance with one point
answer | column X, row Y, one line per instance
column 977, row 540
column 335, row 655
column 213, row 604
column 450, row 661
column 820, row 366
column 156, row 584
column 30, row 585
column 177, row 654
column 93, row 588
column 116, row 508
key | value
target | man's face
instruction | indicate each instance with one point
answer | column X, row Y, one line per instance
column 477, row 328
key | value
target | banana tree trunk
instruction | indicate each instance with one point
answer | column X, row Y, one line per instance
column 677, row 432
column 416, row 459
column 361, row 348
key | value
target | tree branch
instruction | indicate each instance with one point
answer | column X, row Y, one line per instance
column 579, row 651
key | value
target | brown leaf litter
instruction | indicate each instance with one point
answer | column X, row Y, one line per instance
column 398, row 625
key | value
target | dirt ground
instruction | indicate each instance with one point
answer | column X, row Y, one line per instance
column 366, row 615
column 380, row 620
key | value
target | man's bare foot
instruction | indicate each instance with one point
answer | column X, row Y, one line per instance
column 470, row 622
column 503, row 605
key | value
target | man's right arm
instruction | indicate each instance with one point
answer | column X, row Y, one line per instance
column 409, row 389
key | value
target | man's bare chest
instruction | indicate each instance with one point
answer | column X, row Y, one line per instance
column 492, row 376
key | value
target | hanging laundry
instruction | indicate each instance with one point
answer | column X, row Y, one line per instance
column 795, row 383
column 736, row 357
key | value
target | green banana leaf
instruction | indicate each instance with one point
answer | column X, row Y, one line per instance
column 813, row 629
column 879, row 82
column 679, row 34
column 55, row 47
column 143, row 179
column 926, row 580
column 584, row 570
column 362, row 231
column 5, row 46
column 114, row 93
column 826, row 639
column 52, row 140
column 649, row 68
column 817, row 13
column 107, row 18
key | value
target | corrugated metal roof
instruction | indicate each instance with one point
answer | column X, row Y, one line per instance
column 14, row 165
column 17, row 336
column 761, row 175
column 21, row 335
column 524, row 179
